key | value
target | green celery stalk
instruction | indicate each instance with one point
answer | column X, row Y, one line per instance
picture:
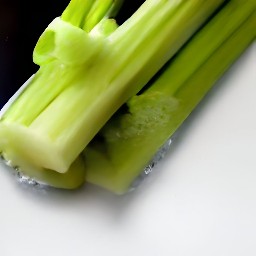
column 84, row 78
column 130, row 139
column 74, row 177
column 86, row 14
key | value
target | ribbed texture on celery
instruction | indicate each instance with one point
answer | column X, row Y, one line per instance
column 128, row 144
column 228, row 19
column 77, row 11
column 97, row 12
column 70, row 118
column 86, row 14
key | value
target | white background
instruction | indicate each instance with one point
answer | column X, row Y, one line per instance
column 200, row 200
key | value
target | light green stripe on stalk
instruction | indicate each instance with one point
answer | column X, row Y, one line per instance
column 98, row 11
column 222, row 27
column 67, row 123
column 117, row 161
column 46, row 92
column 71, row 53
column 104, row 89
column 218, row 63
column 143, row 57
column 104, row 28
column 76, row 11
column 54, row 76
column 86, row 14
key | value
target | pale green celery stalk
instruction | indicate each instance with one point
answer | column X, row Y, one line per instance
column 129, row 140
column 104, row 28
column 77, row 11
column 99, row 11
column 86, row 14
column 72, row 179
column 50, row 74
column 52, row 134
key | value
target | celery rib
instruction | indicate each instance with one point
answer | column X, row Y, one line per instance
column 129, row 141
column 88, row 94
column 61, row 129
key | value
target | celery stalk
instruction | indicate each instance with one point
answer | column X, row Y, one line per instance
column 86, row 14
column 83, row 79
column 129, row 140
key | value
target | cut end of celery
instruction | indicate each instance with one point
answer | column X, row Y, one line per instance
column 90, row 66
column 31, row 146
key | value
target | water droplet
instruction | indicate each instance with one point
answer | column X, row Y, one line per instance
column 149, row 168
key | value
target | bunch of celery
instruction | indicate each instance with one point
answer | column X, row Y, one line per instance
column 90, row 67
column 129, row 140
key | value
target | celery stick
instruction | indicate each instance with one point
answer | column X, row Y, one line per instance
column 77, row 11
column 129, row 140
column 71, row 179
column 97, row 13
column 86, row 14
column 68, row 102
